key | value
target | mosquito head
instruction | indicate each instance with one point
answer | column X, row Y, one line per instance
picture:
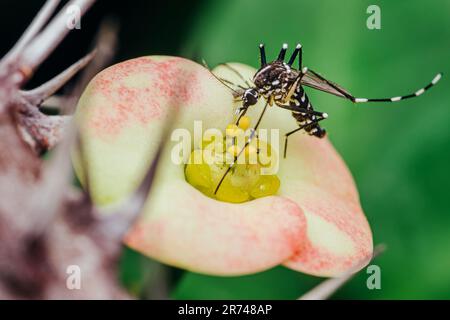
column 250, row 97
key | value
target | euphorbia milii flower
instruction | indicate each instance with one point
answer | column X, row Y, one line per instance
column 314, row 224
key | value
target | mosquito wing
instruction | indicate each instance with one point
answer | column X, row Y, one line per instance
column 316, row 81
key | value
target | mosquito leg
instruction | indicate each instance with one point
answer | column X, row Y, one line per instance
column 286, row 136
column 300, row 57
column 298, row 51
column 282, row 52
column 241, row 151
column 363, row 100
column 408, row 96
column 262, row 55
column 304, row 110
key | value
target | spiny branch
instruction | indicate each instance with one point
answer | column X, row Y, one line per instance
column 57, row 176
column 46, row 41
column 42, row 230
column 42, row 132
column 38, row 95
column 45, row 131
column 58, row 171
column 35, row 26
column 53, row 102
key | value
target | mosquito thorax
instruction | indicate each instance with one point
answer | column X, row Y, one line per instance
column 273, row 76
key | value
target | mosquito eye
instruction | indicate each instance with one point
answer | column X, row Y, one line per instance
column 251, row 97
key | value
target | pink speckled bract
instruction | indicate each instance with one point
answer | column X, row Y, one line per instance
column 314, row 225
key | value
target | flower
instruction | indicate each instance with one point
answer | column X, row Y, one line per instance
column 314, row 224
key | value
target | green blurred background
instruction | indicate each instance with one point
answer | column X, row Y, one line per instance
column 398, row 153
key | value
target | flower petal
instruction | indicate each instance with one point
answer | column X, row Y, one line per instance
column 338, row 232
column 184, row 228
column 122, row 112
column 315, row 177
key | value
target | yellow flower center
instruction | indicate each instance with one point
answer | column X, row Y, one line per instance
column 246, row 180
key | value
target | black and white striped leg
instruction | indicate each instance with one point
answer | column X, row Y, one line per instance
column 262, row 55
column 282, row 53
column 298, row 51
column 286, row 136
column 411, row 95
column 393, row 99
column 252, row 135
column 304, row 110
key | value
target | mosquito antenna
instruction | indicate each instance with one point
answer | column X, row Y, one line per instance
column 220, row 80
column 236, row 72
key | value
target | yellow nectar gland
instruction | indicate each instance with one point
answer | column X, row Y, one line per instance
column 244, row 122
column 244, row 182
column 233, row 130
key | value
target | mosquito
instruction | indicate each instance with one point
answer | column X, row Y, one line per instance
column 280, row 84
